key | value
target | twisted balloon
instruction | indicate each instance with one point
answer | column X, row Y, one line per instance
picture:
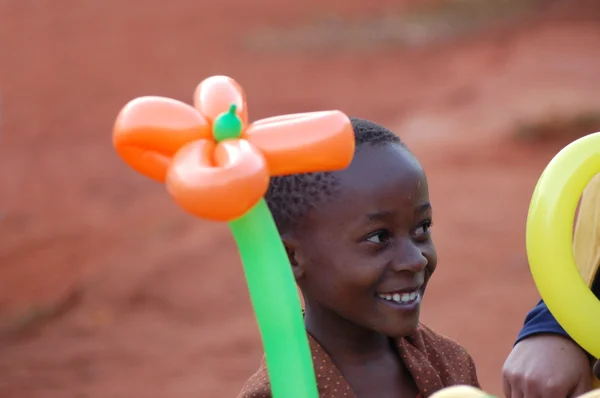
column 216, row 166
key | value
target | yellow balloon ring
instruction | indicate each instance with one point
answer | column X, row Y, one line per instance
column 549, row 241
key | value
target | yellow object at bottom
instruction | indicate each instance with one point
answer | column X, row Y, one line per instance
column 472, row 392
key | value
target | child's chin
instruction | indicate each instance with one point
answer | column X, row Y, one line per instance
column 404, row 330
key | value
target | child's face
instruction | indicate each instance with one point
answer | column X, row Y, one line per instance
column 366, row 255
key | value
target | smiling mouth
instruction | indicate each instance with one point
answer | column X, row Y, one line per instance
column 404, row 298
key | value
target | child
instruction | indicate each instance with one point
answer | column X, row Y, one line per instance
column 545, row 362
column 359, row 243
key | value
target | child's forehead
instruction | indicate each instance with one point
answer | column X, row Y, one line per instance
column 381, row 164
column 392, row 181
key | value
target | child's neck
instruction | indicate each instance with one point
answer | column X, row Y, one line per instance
column 369, row 361
column 342, row 339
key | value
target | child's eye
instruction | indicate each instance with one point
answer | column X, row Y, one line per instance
column 423, row 229
column 379, row 237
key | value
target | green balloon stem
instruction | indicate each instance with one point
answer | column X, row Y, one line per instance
column 228, row 125
column 276, row 304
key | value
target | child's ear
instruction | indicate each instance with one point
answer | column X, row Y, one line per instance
column 291, row 248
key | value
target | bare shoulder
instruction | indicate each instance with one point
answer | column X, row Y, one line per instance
column 452, row 360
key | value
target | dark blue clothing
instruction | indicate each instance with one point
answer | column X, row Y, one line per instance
column 540, row 320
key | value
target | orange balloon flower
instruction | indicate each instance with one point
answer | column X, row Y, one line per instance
column 214, row 164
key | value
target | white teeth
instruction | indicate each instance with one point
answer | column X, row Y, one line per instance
column 402, row 298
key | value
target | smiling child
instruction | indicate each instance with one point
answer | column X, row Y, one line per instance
column 359, row 242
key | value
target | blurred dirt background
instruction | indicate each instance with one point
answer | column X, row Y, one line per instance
column 107, row 289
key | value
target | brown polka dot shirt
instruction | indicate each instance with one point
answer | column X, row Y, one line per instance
column 434, row 362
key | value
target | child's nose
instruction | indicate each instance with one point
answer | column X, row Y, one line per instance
column 409, row 258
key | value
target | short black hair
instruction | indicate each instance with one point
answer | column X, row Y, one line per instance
column 290, row 197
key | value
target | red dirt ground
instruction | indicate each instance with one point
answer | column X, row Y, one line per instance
column 108, row 289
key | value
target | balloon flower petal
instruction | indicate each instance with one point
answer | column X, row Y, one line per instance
column 218, row 181
column 150, row 130
column 304, row 142
column 216, row 94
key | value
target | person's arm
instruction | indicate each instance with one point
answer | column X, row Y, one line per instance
column 535, row 366
column 545, row 362
column 541, row 321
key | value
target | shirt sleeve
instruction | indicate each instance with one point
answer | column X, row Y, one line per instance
column 540, row 321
